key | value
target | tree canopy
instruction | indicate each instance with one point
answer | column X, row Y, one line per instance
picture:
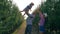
column 10, row 17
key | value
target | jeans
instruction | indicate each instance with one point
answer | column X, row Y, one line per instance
column 28, row 29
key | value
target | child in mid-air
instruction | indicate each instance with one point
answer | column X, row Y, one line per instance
column 28, row 8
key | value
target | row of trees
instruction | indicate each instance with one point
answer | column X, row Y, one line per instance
column 10, row 17
column 52, row 8
column 52, row 23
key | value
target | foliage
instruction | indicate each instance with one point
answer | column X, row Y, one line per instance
column 52, row 8
column 10, row 17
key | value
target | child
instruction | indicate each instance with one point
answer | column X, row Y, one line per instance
column 28, row 8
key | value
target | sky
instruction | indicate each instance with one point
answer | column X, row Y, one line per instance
column 23, row 3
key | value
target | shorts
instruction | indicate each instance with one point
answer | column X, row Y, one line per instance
column 41, row 29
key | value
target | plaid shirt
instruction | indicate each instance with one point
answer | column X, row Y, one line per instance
column 42, row 20
column 29, row 19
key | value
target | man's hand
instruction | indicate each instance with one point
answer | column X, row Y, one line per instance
column 24, row 14
column 30, row 16
column 30, row 10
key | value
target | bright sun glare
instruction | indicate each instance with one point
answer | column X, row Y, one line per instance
column 23, row 3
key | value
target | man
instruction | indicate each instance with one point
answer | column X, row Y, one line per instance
column 29, row 23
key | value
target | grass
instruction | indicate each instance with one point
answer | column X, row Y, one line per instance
column 21, row 29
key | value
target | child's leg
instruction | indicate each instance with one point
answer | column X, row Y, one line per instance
column 26, row 12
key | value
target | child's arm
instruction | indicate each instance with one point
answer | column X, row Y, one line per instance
column 21, row 11
column 41, row 14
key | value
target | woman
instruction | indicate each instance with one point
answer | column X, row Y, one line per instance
column 41, row 23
